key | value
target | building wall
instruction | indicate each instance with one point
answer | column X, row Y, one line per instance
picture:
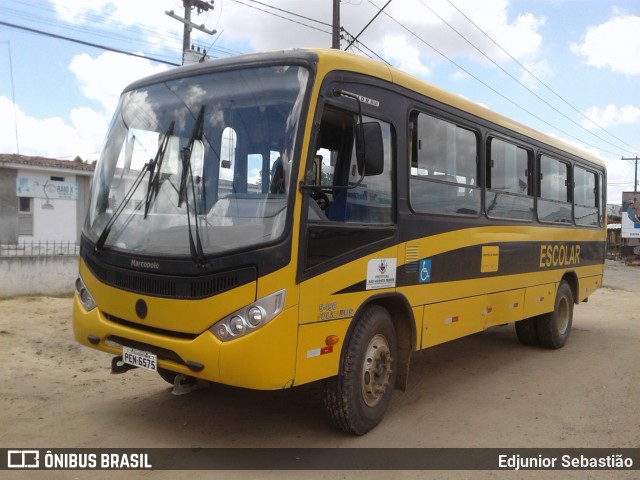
column 54, row 210
column 8, row 206
column 54, row 220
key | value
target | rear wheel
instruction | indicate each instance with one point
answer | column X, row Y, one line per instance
column 357, row 398
column 554, row 328
column 526, row 331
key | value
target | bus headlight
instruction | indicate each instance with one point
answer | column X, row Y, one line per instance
column 84, row 295
column 249, row 318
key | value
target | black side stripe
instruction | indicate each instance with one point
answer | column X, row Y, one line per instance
column 514, row 258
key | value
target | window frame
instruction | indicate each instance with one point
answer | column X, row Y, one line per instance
column 568, row 188
column 443, row 183
column 596, row 195
column 530, row 194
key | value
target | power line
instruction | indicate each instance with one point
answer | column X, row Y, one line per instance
column 358, row 42
column 485, row 83
column 49, row 15
column 13, row 97
column 515, row 104
column 89, row 44
column 87, row 17
column 367, row 25
column 282, row 17
column 534, row 76
column 514, row 78
column 291, row 13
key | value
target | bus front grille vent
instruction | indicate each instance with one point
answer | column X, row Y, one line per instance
column 180, row 287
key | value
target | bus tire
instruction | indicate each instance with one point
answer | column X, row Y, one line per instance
column 526, row 331
column 167, row 375
column 357, row 398
column 554, row 328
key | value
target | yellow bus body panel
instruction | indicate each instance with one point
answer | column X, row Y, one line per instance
column 186, row 316
column 316, row 359
column 262, row 360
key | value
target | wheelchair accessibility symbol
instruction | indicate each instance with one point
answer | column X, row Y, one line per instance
column 424, row 274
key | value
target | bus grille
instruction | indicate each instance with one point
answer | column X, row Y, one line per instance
column 180, row 287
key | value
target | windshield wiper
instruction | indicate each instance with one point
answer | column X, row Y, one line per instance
column 156, row 170
column 196, row 134
column 195, row 247
column 148, row 167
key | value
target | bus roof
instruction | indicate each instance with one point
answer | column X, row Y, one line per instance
column 332, row 60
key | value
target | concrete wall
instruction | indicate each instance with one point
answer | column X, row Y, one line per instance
column 45, row 275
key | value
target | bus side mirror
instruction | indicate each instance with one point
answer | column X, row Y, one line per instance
column 369, row 149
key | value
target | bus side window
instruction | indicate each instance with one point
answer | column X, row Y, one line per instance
column 585, row 199
column 444, row 167
column 554, row 202
column 509, row 188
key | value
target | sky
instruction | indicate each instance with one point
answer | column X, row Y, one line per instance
column 568, row 68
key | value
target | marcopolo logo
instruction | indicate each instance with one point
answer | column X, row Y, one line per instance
column 149, row 265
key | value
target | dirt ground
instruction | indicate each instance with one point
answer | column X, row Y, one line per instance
column 485, row 390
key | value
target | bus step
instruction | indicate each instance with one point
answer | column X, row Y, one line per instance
column 184, row 384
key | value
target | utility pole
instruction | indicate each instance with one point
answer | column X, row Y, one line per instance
column 335, row 37
column 635, row 183
column 189, row 25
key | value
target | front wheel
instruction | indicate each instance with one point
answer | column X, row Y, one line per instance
column 167, row 375
column 554, row 328
column 357, row 398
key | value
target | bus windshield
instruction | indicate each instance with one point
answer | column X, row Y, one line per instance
column 208, row 156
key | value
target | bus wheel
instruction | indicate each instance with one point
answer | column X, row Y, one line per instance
column 167, row 375
column 357, row 398
column 554, row 328
column 526, row 331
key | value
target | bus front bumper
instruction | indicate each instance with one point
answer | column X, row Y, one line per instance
column 262, row 360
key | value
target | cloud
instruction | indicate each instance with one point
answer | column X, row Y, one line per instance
column 485, row 26
column 614, row 44
column 249, row 26
column 157, row 29
column 396, row 50
column 101, row 79
column 104, row 77
column 611, row 115
column 541, row 69
column 55, row 138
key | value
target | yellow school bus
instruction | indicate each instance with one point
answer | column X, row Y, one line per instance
column 275, row 219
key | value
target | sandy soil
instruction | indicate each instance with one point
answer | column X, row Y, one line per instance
column 486, row 390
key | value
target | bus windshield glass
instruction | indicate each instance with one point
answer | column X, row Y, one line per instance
column 205, row 156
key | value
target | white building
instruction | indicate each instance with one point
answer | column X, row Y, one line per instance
column 42, row 199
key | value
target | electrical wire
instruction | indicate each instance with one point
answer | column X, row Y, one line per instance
column 291, row 13
column 146, row 36
column 282, row 17
column 367, row 25
column 515, row 104
column 89, row 44
column 533, row 76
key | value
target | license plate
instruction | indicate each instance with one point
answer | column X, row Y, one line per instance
column 139, row 358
